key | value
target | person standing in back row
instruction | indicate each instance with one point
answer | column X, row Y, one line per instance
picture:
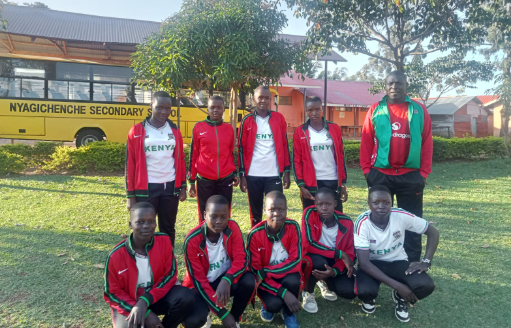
column 396, row 151
column 212, row 157
column 318, row 157
column 264, row 162
column 155, row 164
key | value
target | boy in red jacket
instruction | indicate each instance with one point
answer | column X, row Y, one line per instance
column 275, row 252
column 216, row 264
column 140, row 277
column 264, row 162
column 328, row 243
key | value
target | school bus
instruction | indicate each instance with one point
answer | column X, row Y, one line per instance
column 64, row 101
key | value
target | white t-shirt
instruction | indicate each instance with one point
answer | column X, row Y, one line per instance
column 329, row 235
column 278, row 253
column 145, row 275
column 264, row 160
column 322, row 153
column 159, row 147
column 219, row 261
column 387, row 244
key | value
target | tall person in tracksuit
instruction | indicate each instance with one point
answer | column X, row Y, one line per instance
column 212, row 165
column 396, row 151
column 264, row 162
column 155, row 164
column 318, row 157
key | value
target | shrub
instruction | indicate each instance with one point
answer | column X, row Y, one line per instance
column 33, row 156
column 11, row 163
column 468, row 148
column 351, row 152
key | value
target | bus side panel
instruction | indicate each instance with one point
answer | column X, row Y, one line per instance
column 66, row 128
column 24, row 126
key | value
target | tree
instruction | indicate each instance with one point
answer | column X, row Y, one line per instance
column 36, row 4
column 221, row 44
column 312, row 70
column 339, row 73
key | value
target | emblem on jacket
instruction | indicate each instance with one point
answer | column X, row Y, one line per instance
column 396, row 234
column 171, row 136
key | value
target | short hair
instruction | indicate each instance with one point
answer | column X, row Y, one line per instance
column 313, row 100
column 397, row 74
column 326, row 191
column 261, row 87
column 276, row 195
column 379, row 188
column 216, row 200
column 141, row 205
column 161, row 94
column 216, row 97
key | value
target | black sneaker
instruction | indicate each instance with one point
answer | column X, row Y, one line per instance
column 401, row 307
column 369, row 307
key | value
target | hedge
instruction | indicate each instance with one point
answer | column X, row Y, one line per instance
column 11, row 163
column 33, row 156
column 110, row 156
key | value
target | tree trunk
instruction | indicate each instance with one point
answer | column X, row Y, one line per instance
column 233, row 110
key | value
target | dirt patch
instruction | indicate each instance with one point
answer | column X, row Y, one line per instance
column 17, row 297
column 89, row 298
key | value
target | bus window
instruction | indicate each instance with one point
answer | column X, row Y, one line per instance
column 9, row 87
column 112, row 74
column 58, row 90
column 120, row 92
column 72, row 71
column 32, row 88
column 102, row 92
column 142, row 96
column 79, row 91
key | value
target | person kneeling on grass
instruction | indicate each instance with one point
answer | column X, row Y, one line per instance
column 328, row 243
column 379, row 239
column 141, row 275
column 216, row 264
column 275, row 251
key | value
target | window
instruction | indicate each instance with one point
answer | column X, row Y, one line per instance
column 32, row 88
column 343, row 109
column 10, row 87
column 111, row 73
column 79, row 91
column 72, row 71
column 120, row 92
column 142, row 96
column 287, row 101
column 58, row 90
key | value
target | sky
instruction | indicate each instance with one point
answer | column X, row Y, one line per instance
column 159, row 10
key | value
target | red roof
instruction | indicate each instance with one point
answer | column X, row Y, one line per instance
column 487, row 98
column 339, row 93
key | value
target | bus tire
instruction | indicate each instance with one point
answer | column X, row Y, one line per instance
column 87, row 136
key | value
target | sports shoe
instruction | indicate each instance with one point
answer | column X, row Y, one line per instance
column 309, row 302
column 237, row 325
column 369, row 307
column 290, row 321
column 401, row 307
column 325, row 292
column 208, row 322
column 266, row 316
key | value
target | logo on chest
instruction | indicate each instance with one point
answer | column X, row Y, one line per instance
column 397, row 234
column 264, row 136
column 396, row 126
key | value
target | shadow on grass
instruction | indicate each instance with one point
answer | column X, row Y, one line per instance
column 62, row 191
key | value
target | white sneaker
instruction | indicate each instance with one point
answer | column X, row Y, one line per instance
column 369, row 307
column 237, row 325
column 326, row 293
column 309, row 302
column 208, row 322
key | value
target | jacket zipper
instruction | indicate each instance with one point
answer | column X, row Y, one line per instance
column 217, row 154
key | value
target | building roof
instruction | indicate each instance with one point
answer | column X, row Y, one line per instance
column 449, row 105
column 487, row 98
column 339, row 93
column 61, row 25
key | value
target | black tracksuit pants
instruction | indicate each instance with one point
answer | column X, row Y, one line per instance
column 341, row 284
column 175, row 306
column 257, row 188
column 330, row 184
column 207, row 188
column 161, row 196
column 242, row 292
column 408, row 189
column 366, row 287
column 273, row 303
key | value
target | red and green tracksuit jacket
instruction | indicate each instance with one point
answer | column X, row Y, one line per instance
column 197, row 262
column 260, row 245
column 211, row 151
column 136, row 166
column 312, row 225
column 247, row 133
column 305, row 173
column 121, row 274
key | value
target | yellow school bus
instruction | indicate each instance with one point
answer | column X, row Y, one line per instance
column 63, row 101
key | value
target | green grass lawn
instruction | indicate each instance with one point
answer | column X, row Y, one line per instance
column 55, row 232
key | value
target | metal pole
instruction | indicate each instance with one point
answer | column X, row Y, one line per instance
column 304, row 104
column 326, row 80
column 354, row 122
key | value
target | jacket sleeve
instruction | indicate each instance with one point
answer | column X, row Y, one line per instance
column 344, row 174
column 427, row 145
column 194, row 154
column 116, row 297
column 293, row 262
column 163, row 285
column 182, row 160
column 297, row 158
column 287, row 157
column 239, row 261
column 199, row 279
column 314, row 246
column 242, row 137
column 231, row 151
column 367, row 142
column 256, row 265
column 347, row 245
column 130, row 166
